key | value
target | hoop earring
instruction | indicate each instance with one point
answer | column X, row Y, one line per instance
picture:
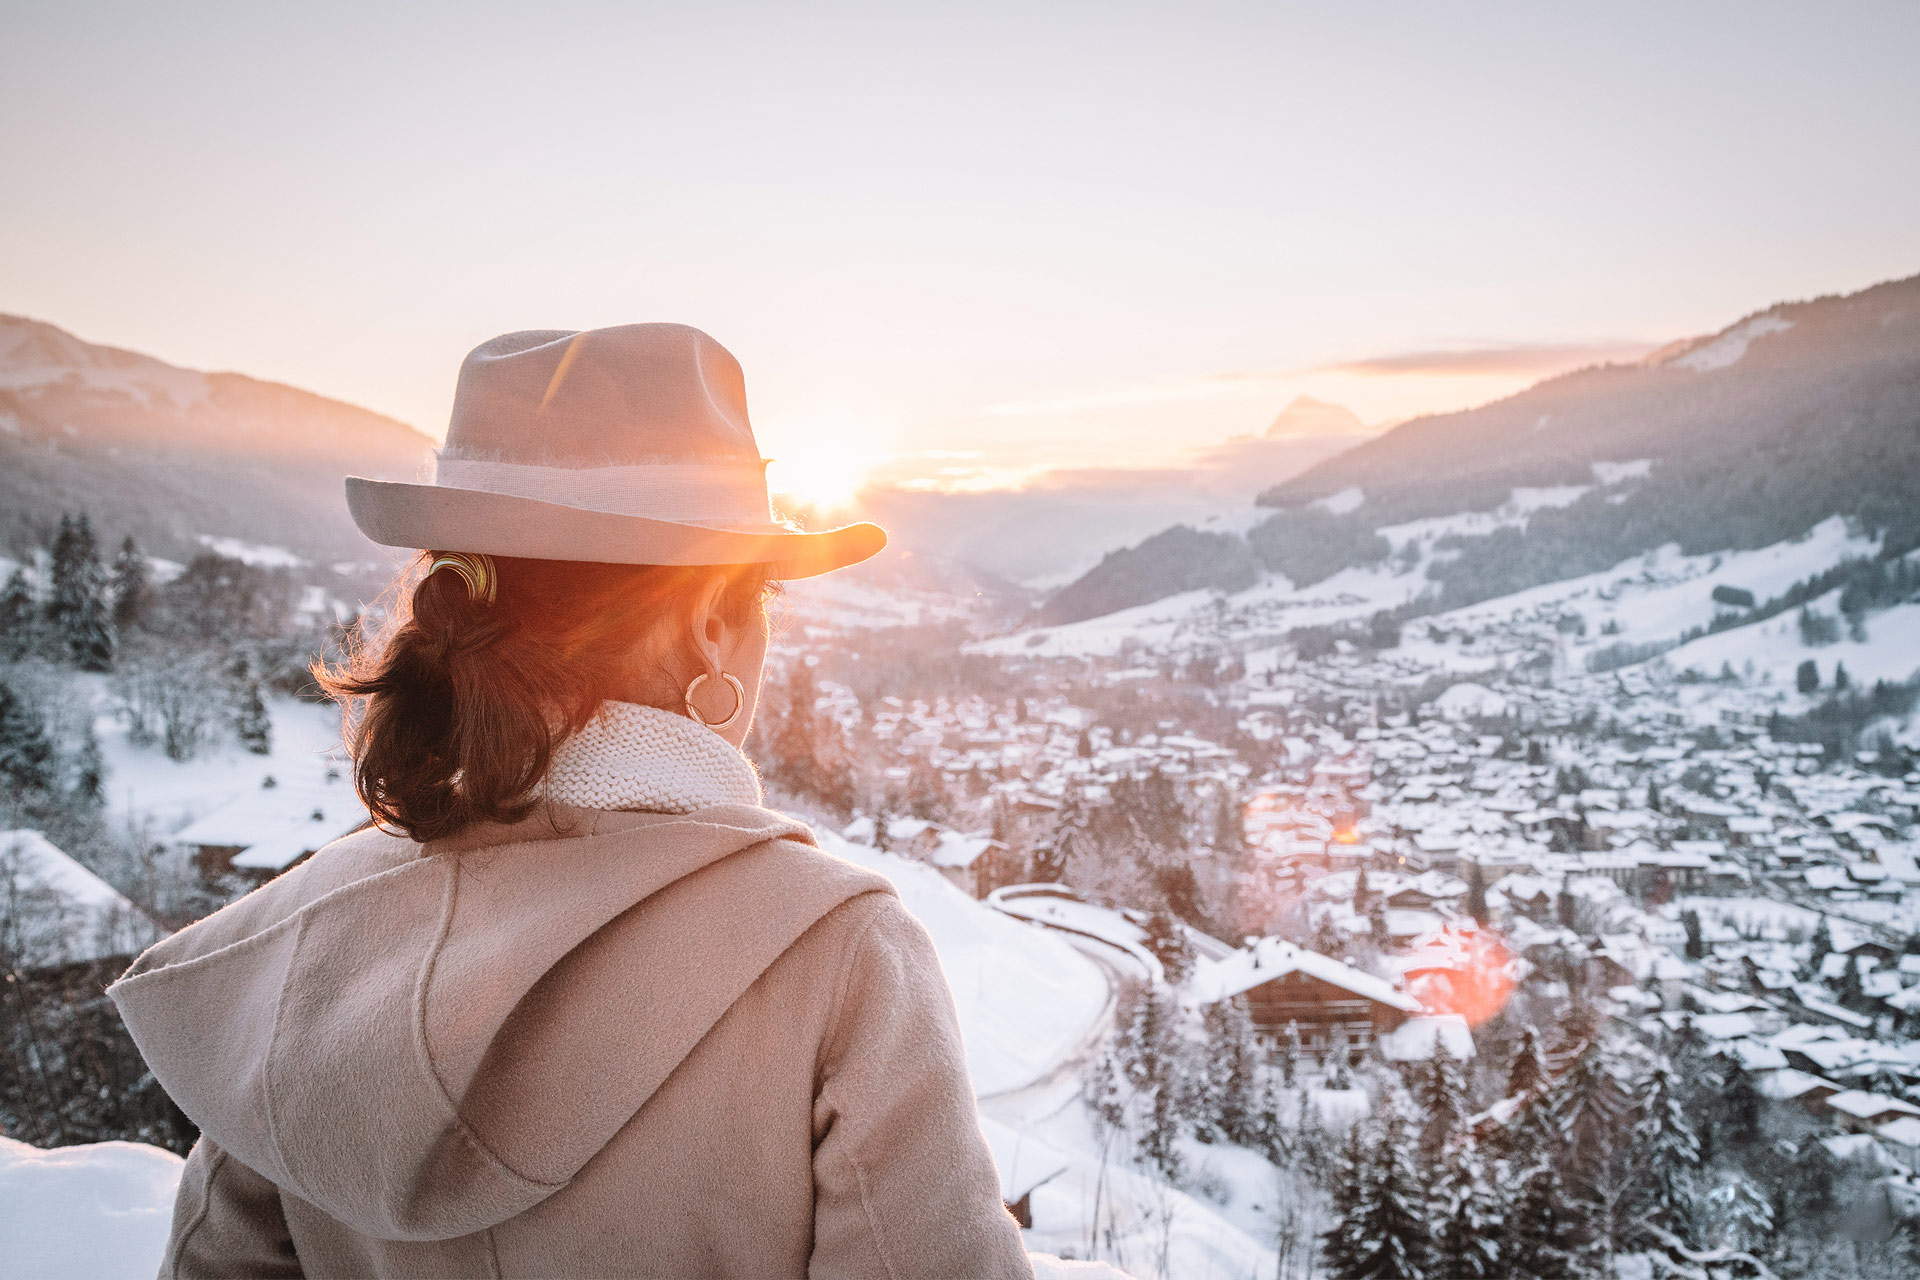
column 739, row 700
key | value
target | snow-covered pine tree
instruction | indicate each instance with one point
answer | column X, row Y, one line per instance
column 1667, row 1152
column 76, row 602
column 1339, row 1058
column 27, row 764
column 1477, row 894
column 1384, row 1233
column 1269, row 1135
column 1443, row 1105
column 1528, row 1073
column 18, row 610
column 1290, row 1053
column 252, row 726
column 132, row 589
column 1170, row 945
column 1822, row 947
column 1377, row 920
column 1469, row 1216
column 89, row 787
column 1541, row 1235
column 1344, row 1245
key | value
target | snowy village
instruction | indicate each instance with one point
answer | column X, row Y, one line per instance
column 1270, row 961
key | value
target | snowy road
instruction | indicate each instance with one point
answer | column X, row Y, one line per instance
column 1055, row 1090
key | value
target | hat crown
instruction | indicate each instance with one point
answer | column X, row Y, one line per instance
column 621, row 396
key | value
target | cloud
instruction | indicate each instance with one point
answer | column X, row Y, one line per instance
column 1536, row 359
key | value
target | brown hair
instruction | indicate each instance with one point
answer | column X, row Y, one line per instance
column 454, row 717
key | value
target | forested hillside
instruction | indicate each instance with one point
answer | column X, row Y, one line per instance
column 1737, row 440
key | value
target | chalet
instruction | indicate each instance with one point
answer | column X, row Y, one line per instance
column 1858, row 1111
column 261, row 833
column 1327, row 999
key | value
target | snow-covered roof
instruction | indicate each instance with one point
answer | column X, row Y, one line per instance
column 1414, row 1039
column 277, row 826
column 1270, row 958
column 64, row 913
column 1866, row 1106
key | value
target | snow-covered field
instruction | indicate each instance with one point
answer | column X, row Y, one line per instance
column 142, row 785
column 97, row 1212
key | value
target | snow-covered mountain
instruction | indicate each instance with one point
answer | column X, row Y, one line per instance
column 1734, row 441
column 175, row 456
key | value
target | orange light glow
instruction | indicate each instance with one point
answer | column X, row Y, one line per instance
column 1346, row 835
column 1463, row 970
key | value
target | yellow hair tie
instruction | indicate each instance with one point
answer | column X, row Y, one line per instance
column 475, row 568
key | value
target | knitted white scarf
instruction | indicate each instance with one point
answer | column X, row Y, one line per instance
column 642, row 758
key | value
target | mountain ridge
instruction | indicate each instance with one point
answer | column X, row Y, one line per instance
column 1734, row 439
column 173, row 456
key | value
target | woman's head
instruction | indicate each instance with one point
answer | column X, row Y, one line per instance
column 453, row 716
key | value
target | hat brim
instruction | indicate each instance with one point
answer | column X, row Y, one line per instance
column 432, row 517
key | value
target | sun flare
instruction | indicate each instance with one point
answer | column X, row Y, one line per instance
column 822, row 471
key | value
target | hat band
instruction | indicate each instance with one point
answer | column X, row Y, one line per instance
column 704, row 493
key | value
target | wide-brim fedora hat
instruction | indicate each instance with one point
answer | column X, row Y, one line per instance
column 627, row 445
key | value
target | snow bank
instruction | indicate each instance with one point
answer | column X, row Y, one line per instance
column 1027, row 999
column 98, row 1212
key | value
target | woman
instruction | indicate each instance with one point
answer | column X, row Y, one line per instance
column 578, row 1005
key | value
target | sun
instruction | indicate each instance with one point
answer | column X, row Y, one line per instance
column 822, row 471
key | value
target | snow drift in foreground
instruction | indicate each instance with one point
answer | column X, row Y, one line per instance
column 98, row 1212
column 102, row 1212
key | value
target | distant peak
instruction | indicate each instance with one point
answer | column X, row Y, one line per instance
column 1305, row 416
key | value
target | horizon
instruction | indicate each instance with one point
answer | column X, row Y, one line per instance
column 1100, row 263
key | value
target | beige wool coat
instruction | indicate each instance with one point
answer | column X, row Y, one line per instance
column 643, row 1045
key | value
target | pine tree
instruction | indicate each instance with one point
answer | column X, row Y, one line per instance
column 17, row 610
column 1229, row 1105
column 89, row 790
column 1442, row 1098
column 1528, row 1073
column 1377, row 920
column 1822, row 947
column 1290, row 1052
column 1696, row 941
column 132, row 590
column 1469, row 1218
column 1806, row 677
column 1477, row 894
column 1083, row 745
column 252, row 725
column 1667, row 1151
column 26, row 754
column 1653, row 796
column 1345, row 1247
column 1072, row 833
column 76, row 604
column 1542, row 1232
column 1383, row 1233
column 1339, row 1058
column 1169, row 943
column 1841, row 680
column 1269, row 1132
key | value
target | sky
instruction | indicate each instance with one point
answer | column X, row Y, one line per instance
column 955, row 247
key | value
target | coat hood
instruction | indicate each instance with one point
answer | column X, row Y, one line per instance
column 423, row 1043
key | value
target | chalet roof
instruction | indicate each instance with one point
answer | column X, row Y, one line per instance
column 1870, row 1106
column 278, row 825
column 1270, row 958
column 64, row 913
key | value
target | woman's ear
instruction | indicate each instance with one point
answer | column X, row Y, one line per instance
column 708, row 630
